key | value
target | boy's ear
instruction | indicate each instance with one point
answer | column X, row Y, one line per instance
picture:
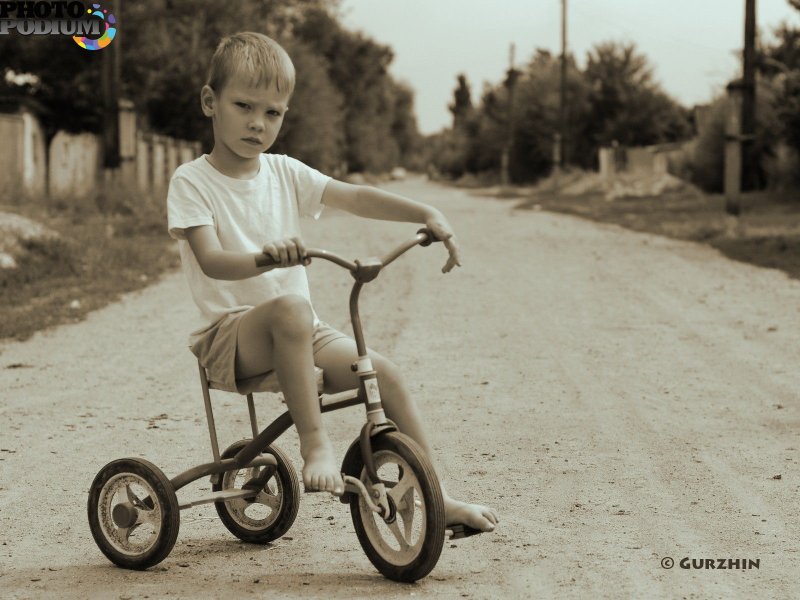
column 207, row 100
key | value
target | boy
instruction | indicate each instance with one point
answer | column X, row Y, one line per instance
column 230, row 206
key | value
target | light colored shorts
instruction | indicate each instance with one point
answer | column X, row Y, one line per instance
column 216, row 350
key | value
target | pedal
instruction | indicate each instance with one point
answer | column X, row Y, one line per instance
column 462, row 531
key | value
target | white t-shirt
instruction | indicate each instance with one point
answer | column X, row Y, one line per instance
column 246, row 214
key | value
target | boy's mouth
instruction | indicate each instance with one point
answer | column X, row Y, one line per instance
column 254, row 141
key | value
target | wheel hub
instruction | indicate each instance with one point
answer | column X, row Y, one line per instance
column 124, row 515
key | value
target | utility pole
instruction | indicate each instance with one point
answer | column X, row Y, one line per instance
column 110, row 76
column 749, row 96
column 562, row 97
column 510, row 82
column 740, row 120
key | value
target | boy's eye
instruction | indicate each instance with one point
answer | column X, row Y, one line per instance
column 273, row 113
column 242, row 105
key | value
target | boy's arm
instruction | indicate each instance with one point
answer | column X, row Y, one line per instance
column 374, row 203
column 223, row 264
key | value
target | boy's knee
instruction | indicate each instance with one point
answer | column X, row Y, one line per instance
column 292, row 315
column 389, row 374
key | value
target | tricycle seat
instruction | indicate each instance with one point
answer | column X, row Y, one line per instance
column 265, row 382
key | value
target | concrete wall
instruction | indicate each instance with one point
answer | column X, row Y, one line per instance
column 75, row 161
column 12, row 132
column 640, row 160
column 34, row 156
column 143, row 164
column 643, row 160
column 72, row 165
column 23, row 156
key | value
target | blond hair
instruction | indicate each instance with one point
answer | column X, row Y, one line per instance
column 258, row 58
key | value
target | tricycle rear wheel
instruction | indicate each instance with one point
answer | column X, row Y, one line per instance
column 133, row 513
column 273, row 510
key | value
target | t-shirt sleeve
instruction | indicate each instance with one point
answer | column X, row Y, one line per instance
column 185, row 207
column 309, row 185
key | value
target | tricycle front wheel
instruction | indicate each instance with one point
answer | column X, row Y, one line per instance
column 407, row 544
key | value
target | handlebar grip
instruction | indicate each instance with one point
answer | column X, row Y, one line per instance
column 431, row 238
column 265, row 260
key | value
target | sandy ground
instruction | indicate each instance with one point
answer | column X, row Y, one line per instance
column 620, row 398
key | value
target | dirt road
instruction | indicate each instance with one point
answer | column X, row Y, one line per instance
column 620, row 398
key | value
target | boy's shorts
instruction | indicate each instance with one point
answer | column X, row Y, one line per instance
column 216, row 350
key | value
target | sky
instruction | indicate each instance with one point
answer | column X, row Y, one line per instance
column 694, row 46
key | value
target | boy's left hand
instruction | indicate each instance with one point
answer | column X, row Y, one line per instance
column 442, row 231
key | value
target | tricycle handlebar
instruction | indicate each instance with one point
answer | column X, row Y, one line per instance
column 423, row 238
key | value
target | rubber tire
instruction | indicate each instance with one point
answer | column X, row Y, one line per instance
column 289, row 507
column 434, row 534
column 165, row 495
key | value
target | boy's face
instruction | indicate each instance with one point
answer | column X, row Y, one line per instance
column 246, row 119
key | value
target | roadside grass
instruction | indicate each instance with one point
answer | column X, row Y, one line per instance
column 111, row 243
column 766, row 233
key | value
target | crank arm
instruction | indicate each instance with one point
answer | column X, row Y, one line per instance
column 356, row 486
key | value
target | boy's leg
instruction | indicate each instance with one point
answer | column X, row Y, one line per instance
column 276, row 335
column 335, row 359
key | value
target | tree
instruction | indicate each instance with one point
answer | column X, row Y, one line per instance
column 537, row 117
column 64, row 81
column 358, row 67
column 629, row 107
column 452, row 148
column 481, row 132
column 781, row 61
column 346, row 108
column 789, row 111
column 461, row 107
column 313, row 129
column 404, row 127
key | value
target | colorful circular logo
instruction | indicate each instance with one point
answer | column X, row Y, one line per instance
column 108, row 35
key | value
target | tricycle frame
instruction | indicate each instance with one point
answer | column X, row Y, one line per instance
column 367, row 393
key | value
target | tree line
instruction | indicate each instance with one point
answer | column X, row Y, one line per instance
column 615, row 99
column 347, row 112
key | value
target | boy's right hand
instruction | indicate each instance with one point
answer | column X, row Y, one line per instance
column 288, row 252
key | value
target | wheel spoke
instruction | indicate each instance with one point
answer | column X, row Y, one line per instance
column 237, row 506
column 399, row 491
column 133, row 498
column 407, row 509
column 267, row 499
column 149, row 517
column 124, row 534
column 146, row 504
column 398, row 535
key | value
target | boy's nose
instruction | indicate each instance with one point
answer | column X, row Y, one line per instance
column 257, row 125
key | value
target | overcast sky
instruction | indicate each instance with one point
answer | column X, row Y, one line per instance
column 693, row 45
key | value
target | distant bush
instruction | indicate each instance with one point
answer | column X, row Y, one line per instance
column 41, row 258
column 782, row 168
column 707, row 166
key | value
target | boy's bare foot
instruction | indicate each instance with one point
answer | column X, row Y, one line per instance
column 472, row 515
column 320, row 471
